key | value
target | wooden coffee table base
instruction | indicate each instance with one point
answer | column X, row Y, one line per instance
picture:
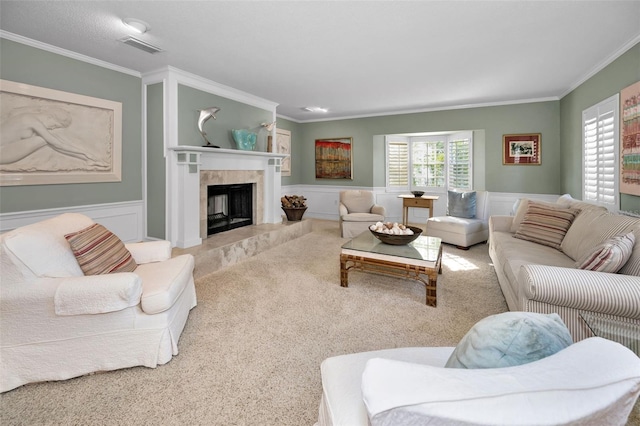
column 349, row 262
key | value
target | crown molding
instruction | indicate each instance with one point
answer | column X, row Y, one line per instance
column 201, row 83
column 68, row 53
column 604, row 63
column 435, row 109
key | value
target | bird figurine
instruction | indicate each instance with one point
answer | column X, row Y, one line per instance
column 268, row 126
column 206, row 114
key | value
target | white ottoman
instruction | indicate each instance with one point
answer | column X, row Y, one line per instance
column 458, row 231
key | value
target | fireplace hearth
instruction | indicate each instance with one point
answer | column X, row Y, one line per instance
column 229, row 207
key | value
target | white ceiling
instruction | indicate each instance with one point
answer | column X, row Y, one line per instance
column 355, row 58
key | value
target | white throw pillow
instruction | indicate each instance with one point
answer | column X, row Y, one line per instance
column 42, row 246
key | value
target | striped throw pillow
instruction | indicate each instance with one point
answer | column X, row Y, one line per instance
column 609, row 256
column 98, row 251
column 545, row 224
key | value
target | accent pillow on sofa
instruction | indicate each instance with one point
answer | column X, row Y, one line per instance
column 521, row 211
column 610, row 256
column 546, row 225
column 461, row 204
column 99, row 251
column 510, row 338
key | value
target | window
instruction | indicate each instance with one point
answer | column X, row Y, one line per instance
column 429, row 162
column 600, row 153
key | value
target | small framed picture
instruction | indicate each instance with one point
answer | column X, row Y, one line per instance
column 521, row 149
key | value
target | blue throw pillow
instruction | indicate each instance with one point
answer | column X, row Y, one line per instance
column 461, row 204
column 511, row 338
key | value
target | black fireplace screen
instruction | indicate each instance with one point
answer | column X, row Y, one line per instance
column 229, row 207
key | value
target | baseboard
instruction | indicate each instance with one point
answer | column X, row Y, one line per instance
column 124, row 219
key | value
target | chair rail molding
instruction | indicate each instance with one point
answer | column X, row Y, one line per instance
column 125, row 219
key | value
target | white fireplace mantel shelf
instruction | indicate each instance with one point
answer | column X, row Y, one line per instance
column 223, row 151
column 185, row 165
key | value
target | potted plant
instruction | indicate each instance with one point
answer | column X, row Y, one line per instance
column 294, row 206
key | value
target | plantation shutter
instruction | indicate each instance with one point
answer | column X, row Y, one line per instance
column 459, row 170
column 397, row 164
column 600, row 153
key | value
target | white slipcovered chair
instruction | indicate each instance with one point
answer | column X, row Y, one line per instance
column 358, row 211
column 462, row 232
column 592, row 382
column 56, row 323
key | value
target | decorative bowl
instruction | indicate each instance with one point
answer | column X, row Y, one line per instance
column 245, row 139
column 417, row 193
column 397, row 240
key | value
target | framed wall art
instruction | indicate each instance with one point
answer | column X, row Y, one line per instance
column 630, row 139
column 283, row 146
column 334, row 159
column 54, row 137
column 523, row 149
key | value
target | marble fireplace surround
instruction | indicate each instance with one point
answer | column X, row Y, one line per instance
column 229, row 177
column 191, row 168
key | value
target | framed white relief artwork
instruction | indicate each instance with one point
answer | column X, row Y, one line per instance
column 283, row 146
column 52, row 137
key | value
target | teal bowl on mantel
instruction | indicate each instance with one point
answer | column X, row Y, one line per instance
column 245, row 139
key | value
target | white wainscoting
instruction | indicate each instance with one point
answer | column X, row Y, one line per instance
column 125, row 219
column 322, row 202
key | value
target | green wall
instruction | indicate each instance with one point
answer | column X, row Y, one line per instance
column 156, row 165
column 488, row 124
column 232, row 115
column 25, row 64
column 559, row 122
column 621, row 73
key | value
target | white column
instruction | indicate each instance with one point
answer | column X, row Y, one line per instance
column 188, row 197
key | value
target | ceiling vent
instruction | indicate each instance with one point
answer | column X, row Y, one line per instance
column 139, row 44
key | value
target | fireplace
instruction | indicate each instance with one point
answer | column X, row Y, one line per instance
column 229, row 207
column 193, row 169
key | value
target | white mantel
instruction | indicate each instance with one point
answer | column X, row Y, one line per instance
column 185, row 165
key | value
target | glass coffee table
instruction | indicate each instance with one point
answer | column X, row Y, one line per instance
column 417, row 260
column 624, row 332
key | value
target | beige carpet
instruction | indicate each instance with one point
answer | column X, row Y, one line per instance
column 251, row 350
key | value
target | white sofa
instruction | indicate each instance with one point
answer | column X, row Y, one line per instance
column 592, row 382
column 57, row 323
column 539, row 278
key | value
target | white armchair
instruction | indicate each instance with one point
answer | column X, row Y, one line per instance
column 592, row 382
column 358, row 211
column 57, row 323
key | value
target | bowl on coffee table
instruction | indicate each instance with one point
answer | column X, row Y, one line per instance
column 397, row 239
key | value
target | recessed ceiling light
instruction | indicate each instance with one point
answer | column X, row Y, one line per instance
column 315, row 109
column 137, row 25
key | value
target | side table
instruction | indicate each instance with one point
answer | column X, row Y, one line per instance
column 424, row 202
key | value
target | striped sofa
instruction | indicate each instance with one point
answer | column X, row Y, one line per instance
column 544, row 277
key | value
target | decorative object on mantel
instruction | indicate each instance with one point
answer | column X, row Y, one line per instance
column 294, row 206
column 268, row 126
column 206, row 114
column 245, row 139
